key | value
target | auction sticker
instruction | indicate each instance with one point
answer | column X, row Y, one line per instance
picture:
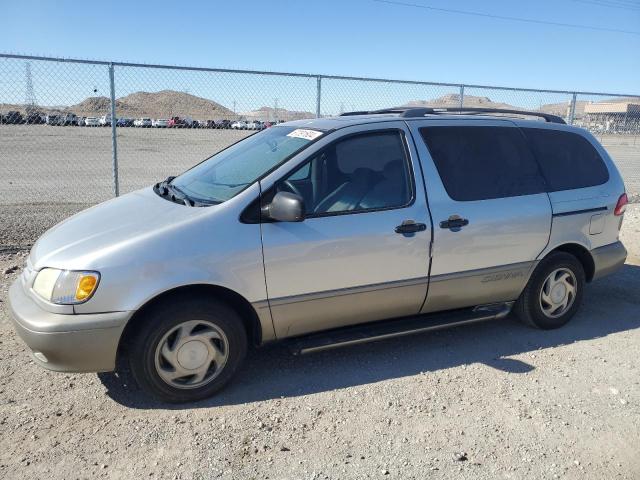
column 304, row 133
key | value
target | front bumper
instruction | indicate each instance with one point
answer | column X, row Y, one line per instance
column 608, row 259
column 67, row 343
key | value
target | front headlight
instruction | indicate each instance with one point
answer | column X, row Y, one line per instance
column 65, row 287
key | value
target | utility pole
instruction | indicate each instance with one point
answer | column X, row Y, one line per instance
column 275, row 109
column 30, row 104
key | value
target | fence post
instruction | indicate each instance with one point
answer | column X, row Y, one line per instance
column 572, row 109
column 461, row 96
column 114, row 142
column 318, row 95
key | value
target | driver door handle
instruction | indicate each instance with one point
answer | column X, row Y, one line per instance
column 409, row 226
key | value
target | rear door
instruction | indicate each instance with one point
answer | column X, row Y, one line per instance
column 362, row 251
column 491, row 212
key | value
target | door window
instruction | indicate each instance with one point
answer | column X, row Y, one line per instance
column 480, row 163
column 360, row 173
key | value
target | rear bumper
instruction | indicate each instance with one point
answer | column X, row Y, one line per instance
column 608, row 259
column 67, row 343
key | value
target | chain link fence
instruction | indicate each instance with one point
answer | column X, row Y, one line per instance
column 60, row 151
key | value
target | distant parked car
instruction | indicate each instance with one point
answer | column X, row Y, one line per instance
column 68, row 119
column 105, row 120
column 52, row 119
column 255, row 125
column 80, row 121
column 13, row 117
column 161, row 123
column 34, row 118
column 92, row 122
column 143, row 123
column 124, row 122
column 239, row 125
column 224, row 123
column 178, row 122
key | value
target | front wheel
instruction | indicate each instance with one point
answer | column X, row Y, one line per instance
column 188, row 350
column 554, row 292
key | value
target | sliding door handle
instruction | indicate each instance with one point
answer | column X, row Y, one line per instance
column 454, row 222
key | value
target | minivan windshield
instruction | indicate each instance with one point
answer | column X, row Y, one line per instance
column 230, row 171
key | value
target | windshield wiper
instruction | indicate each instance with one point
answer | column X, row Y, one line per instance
column 171, row 192
column 232, row 185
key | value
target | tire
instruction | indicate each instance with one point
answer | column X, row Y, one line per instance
column 156, row 348
column 544, row 309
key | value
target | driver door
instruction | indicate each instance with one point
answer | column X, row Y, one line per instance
column 362, row 251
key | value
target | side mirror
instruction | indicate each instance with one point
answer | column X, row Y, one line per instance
column 285, row 207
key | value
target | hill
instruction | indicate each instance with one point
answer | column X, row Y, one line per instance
column 269, row 114
column 162, row 104
column 453, row 100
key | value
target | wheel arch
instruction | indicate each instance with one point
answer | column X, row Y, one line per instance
column 247, row 312
column 581, row 253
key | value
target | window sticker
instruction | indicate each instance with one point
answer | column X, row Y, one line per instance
column 304, row 133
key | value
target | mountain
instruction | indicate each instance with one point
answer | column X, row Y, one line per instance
column 562, row 108
column 269, row 114
column 453, row 100
column 163, row 104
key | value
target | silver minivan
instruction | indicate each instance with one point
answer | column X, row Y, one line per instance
column 326, row 232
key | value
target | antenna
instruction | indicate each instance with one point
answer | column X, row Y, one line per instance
column 30, row 104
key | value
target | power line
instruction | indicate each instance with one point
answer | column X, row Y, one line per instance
column 608, row 4
column 502, row 17
column 623, row 2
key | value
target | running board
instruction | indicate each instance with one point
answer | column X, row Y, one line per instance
column 382, row 330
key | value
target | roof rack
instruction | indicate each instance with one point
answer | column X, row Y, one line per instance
column 414, row 112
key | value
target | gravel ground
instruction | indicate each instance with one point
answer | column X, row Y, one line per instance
column 48, row 173
column 493, row 400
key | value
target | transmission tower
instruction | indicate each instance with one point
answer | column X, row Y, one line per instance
column 30, row 103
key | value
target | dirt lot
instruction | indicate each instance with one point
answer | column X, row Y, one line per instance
column 48, row 173
column 494, row 400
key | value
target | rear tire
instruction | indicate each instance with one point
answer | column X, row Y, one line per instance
column 187, row 350
column 554, row 292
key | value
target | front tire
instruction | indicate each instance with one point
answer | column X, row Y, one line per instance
column 554, row 292
column 187, row 350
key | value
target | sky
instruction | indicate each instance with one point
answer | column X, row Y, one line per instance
column 399, row 40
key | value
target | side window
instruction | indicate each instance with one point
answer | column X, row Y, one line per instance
column 481, row 163
column 566, row 159
column 362, row 172
column 302, row 173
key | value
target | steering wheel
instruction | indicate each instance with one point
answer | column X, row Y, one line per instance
column 293, row 188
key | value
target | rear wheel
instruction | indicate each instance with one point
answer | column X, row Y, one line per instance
column 554, row 292
column 187, row 350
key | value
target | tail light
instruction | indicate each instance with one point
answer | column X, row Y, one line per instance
column 621, row 206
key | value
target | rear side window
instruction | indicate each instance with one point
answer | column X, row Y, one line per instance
column 481, row 163
column 567, row 160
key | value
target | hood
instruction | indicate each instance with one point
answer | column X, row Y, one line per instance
column 77, row 241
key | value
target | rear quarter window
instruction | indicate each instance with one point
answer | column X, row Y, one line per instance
column 567, row 160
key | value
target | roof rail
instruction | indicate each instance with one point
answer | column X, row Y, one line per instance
column 414, row 112
column 399, row 110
